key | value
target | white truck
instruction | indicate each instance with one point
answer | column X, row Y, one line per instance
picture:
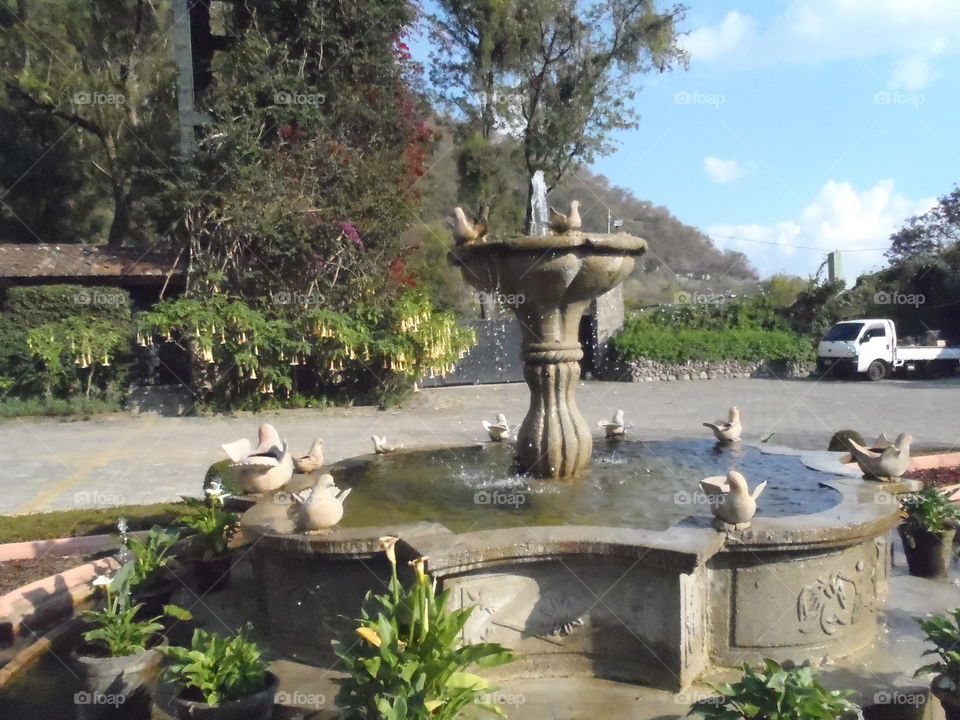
column 871, row 346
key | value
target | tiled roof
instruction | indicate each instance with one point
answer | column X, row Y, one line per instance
column 64, row 261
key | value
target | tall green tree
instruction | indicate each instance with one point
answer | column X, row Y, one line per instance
column 930, row 233
column 307, row 176
column 104, row 71
column 556, row 74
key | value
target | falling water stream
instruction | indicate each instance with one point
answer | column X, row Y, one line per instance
column 538, row 205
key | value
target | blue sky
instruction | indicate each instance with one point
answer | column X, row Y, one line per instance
column 815, row 123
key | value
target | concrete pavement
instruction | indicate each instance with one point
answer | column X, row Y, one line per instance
column 119, row 459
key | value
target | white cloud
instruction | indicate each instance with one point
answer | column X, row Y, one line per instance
column 839, row 218
column 723, row 171
column 708, row 43
column 910, row 33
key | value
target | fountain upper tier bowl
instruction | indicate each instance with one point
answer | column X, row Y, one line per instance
column 552, row 279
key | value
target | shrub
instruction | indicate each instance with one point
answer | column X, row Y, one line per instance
column 409, row 663
column 929, row 510
column 668, row 345
column 775, row 693
column 256, row 356
column 838, row 443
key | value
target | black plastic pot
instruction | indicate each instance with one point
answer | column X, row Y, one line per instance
column 212, row 575
column 949, row 700
column 153, row 600
column 119, row 687
column 928, row 554
column 254, row 707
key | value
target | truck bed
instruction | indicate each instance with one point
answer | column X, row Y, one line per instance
column 927, row 352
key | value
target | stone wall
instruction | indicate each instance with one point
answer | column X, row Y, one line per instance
column 643, row 370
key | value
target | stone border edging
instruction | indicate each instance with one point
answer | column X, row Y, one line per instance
column 61, row 547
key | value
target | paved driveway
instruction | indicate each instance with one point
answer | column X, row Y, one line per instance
column 118, row 459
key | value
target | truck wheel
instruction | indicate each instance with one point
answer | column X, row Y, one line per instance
column 877, row 370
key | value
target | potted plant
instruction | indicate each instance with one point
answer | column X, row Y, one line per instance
column 120, row 658
column 410, row 663
column 151, row 583
column 944, row 633
column 221, row 678
column 775, row 692
column 927, row 531
column 213, row 527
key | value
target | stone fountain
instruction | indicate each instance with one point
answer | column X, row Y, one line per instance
column 557, row 275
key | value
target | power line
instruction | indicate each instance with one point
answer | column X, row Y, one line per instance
column 796, row 247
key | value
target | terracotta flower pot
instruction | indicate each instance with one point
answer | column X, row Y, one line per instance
column 928, row 554
column 119, row 687
column 258, row 706
column 212, row 575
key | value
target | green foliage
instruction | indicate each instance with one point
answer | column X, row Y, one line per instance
column 944, row 633
column 782, row 290
column 409, row 663
column 929, row 510
column 247, row 355
column 115, row 627
column 929, row 234
column 774, row 693
column 551, row 71
column 55, row 341
column 748, row 331
column 151, row 554
column 220, row 669
column 306, row 181
column 213, row 526
column 11, row 407
column 113, row 94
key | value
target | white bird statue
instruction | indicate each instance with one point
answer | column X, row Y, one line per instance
column 312, row 461
column 730, row 499
column 561, row 223
column 319, row 507
column 887, row 464
column 466, row 231
column 729, row 431
column 382, row 447
column 266, row 467
column 615, row 427
column 500, row 430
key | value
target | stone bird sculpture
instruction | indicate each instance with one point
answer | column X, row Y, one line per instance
column 382, row 447
column 615, row 427
column 729, row 431
column 263, row 468
column 466, row 231
column 887, row 464
column 500, row 430
column 319, row 507
column 730, row 499
column 562, row 224
column 312, row 461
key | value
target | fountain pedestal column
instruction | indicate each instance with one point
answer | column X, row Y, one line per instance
column 552, row 279
column 554, row 440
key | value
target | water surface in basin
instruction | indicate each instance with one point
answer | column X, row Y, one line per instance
column 630, row 484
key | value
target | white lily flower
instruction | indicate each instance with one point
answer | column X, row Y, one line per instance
column 101, row 581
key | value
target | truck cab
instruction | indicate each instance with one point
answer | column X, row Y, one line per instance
column 859, row 346
column 871, row 346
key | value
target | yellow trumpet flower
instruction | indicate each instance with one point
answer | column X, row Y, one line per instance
column 369, row 634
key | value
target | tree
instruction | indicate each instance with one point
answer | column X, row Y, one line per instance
column 556, row 75
column 307, row 176
column 104, row 70
column 930, row 233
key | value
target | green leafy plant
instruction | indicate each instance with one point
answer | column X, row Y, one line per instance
column 929, row 510
column 944, row 633
column 116, row 631
column 151, row 554
column 410, row 665
column 775, row 693
column 213, row 525
column 217, row 668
